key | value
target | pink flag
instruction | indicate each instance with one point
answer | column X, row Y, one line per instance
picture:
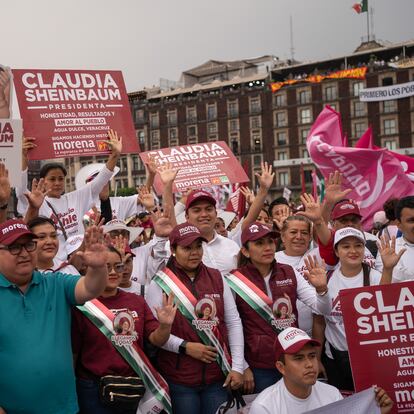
column 373, row 175
column 366, row 140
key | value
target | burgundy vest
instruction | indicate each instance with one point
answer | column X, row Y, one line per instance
column 183, row 369
column 259, row 337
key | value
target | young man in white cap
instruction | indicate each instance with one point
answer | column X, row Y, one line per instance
column 299, row 391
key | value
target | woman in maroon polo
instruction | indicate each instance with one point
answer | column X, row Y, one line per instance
column 279, row 282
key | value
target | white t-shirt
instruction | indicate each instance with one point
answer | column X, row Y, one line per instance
column 404, row 270
column 277, row 399
column 134, row 288
column 123, row 207
column 298, row 263
column 335, row 331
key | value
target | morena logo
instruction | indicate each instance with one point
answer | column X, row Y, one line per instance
column 188, row 229
column 348, row 206
column 14, row 227
column 292, row 334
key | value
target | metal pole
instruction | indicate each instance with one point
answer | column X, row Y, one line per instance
column 367, row 20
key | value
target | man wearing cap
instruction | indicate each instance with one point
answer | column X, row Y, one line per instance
column 36, row 375
column 299, row 391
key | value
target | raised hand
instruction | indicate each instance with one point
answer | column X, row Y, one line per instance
column 386, row 248
column 120, row 243
column 333, row 190
column 167, row 173
column 151, row 165
column 315, row 273
column 38, row 193
column 114, row 142
column 282, row 214
column 163, row 222
column 5, row 189
column 313, row 210
column 28, row 144
column 96, row 251
column 248, row 195
column 166, row 313
column 145, row 197
column 266, row 176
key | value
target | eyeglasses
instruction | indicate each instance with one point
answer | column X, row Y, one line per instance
column 15, row 249
column 117, row 267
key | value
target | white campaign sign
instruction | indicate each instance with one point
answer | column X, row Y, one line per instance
column 11, row 148
column 386, row 93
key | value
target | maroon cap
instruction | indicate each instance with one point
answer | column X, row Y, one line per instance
column 256, row 231
column 199, row 195
column 184, row 234
column 291, row 340
column 11, row 230
column 343, row 208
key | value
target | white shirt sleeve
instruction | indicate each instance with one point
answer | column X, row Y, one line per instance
column 22, row 203
column 158, row 256
column 234, row 329
column 307, row 294
column 98, row 183
column 179, row 208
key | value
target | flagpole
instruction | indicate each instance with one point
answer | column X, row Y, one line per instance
column 367, row 20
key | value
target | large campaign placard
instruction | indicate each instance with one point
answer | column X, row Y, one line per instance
column 379, row 325
column 11, row 148
column 200, row 165
column 69, row 112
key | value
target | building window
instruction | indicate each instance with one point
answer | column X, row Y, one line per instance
column 282, row 155
column 334, row 106
column 191, row 131
column 234, row 145
column 154, row 120
column 308, row 176
column 255, row 122
column 191, row 114
column 357, row 87
column 233, row 125
column 255, row 105
column 279, row 100
column 155, row 139
column 211, row 112
column 212, row 138
column 257, row 160
column 281, row 138
column 304, row 135
column 304, row 96
column 172, row 118
column 136, row 163
column 387, row 81
column 233, row 108
column 305, row 116
column 139, row 116
column 192, row 140
column 305, row 153
column 280, row 119
column 390, row 126
column 141, row 138
column 359, row 108
column 389, row 106
column 173, row 137
column 390, row 144
column 359, row 129
column 257, row 142
column 283, row 178
column 212, row 128
column 330, row 93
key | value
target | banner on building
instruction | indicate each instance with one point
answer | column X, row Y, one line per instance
column 200, row 165
column 11, row 148
column 379, row 325
column 386, row 93
column 357, row 73
column 69, row 112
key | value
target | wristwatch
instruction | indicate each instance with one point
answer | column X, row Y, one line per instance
column 182, row 348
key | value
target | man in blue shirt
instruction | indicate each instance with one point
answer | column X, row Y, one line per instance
column 36, row 374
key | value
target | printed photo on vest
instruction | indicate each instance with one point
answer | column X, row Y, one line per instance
column 282, row 312
column 124, row 326
column 205, row 311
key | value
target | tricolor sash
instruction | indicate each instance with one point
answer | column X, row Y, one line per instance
column 103, row 319
column 186, row 303
column 253, row 296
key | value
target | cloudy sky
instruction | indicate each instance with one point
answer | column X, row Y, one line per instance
column 152, row 39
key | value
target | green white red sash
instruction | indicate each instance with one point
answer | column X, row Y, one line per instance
column 103, row 319
column 253, row 296
column 186, row 303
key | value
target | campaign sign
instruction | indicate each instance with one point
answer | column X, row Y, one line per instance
column 200, row 165
column 69, row 112
column 11, row 148
column 379, row 326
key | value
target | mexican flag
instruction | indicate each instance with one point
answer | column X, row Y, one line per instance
column 361, row 7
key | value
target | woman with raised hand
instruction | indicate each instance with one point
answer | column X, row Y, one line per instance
column 206, row 331
column 67, row 209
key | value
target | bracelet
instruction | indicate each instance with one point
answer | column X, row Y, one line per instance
column 3, row 207
column 323, row 293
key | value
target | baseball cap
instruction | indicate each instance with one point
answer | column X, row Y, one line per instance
column 292, row 340
column 73, row 243
column 11, row 230
column 256, row 231
column 198, row 195
column 87, row 173
column 343, row 208
column 116, row 224
column 184, row 234
column 380, row 217
column 348, row 232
